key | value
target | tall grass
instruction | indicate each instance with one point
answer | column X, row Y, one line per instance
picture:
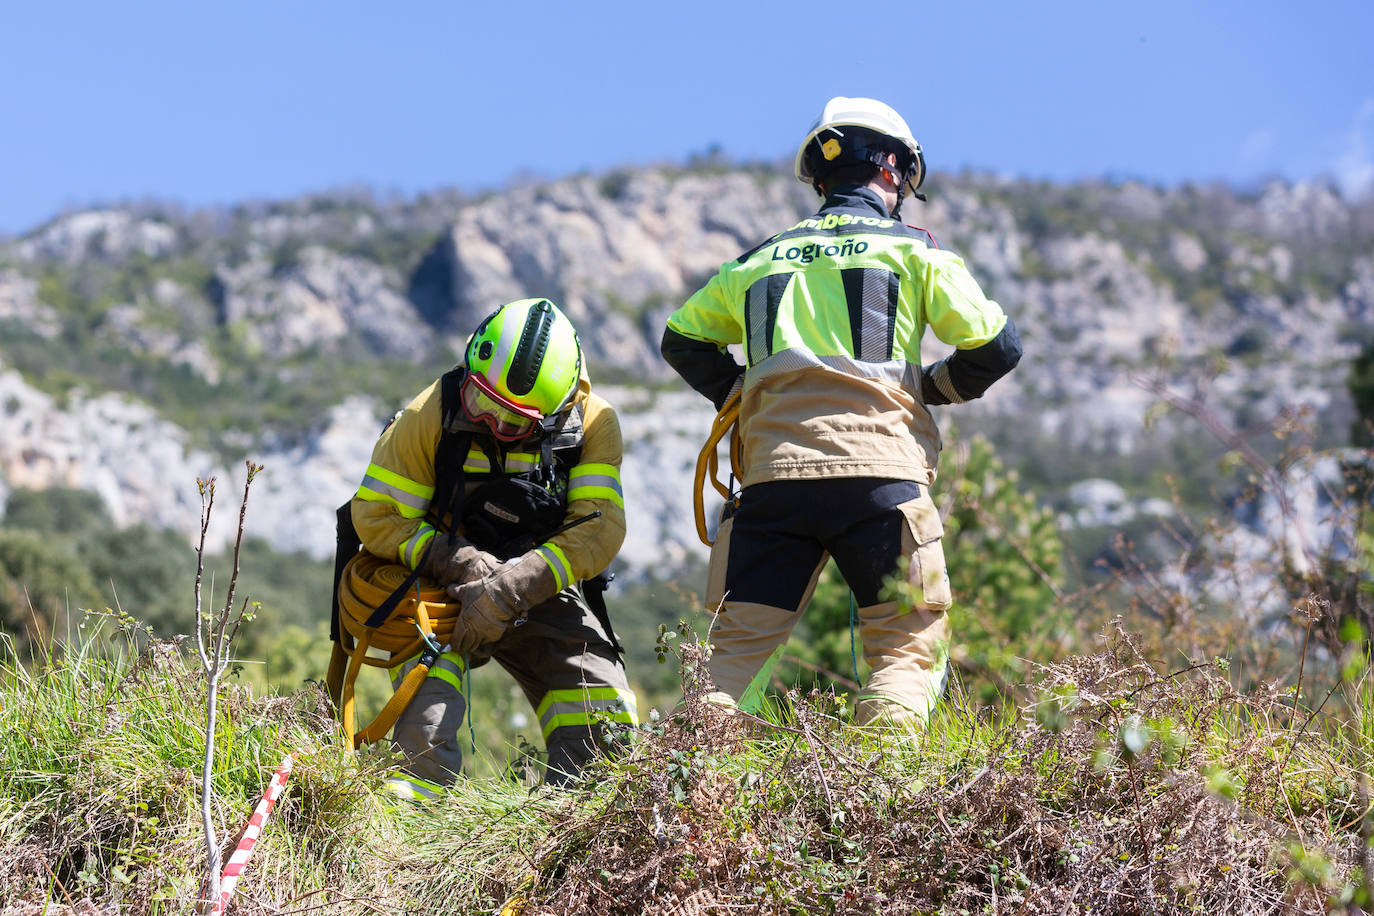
column 1124, row 787
column 99, row 751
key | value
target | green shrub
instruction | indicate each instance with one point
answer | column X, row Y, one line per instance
column 56, row 510
column 1005, row 561
column 41, row 589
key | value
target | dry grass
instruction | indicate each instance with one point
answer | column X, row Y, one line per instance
column 1123, row 791
column 1124, row 788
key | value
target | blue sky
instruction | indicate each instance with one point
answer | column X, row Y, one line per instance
column 209, row 103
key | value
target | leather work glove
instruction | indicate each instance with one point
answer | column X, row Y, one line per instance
column 490, row 606
column 453, row 559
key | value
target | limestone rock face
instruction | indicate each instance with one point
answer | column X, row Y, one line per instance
column 1266, row 297
column 1187, row 251
column 98, row 235
column 145, row 469
column 322, row 299
column 608, row 252
column 141, row 466
column 1303, row 209
column 19, row 303
column 168, row 321
column 664, row 432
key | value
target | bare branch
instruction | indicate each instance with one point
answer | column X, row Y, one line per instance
column 221, row 645
column 207, row 503
column 214, row 642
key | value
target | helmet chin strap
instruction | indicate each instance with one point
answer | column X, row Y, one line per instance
column 901, row 190
column 900, row 182
column 548, row 428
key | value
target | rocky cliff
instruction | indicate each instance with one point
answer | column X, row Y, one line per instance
column 140, row 349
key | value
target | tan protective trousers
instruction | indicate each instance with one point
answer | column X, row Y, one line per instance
column 905, row 640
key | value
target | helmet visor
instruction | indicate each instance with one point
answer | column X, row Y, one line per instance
column 506, row 420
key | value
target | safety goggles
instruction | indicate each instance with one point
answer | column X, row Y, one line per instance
column 506, row 420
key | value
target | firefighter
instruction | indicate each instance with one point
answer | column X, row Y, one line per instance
column 524, row 448
column 838, row 446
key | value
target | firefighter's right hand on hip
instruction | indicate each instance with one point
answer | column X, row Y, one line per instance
column 453, row 560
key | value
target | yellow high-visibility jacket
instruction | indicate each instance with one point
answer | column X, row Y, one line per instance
column 389, row 507
column 831, row 313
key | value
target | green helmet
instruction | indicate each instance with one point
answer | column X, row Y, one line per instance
column 527, row 354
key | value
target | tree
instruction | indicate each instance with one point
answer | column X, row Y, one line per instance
column 40, row 589
column 56, row 510
column 1005, row 561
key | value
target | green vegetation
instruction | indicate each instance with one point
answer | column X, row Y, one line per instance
column 1096, row 767
column 1122, row 782
column 61, row 555
column 1211, row 753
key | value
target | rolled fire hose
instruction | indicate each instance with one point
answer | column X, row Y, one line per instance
column 422, row 623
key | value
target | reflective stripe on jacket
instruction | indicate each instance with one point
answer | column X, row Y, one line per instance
column 390, row 504
column 830, row 314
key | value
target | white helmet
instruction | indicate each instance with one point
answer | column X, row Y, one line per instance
column 828, row 145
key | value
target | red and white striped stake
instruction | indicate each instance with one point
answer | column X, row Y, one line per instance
column 230, row 876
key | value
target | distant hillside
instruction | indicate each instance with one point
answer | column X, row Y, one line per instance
column 140, row 348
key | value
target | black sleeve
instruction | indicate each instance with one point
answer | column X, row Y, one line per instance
column 703, row 365
column 966, row 374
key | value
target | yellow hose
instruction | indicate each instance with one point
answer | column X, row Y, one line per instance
column 368, row 581
column 726, row 422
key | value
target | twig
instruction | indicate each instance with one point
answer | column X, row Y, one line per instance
column 1169, row 677
column 991, row 523
column 214, row 640
column 1229, row 437
column 362, row 901
column 57, row 881
column 969, row 785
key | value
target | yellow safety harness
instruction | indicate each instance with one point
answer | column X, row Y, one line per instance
column 708, row 465
column 422, row 622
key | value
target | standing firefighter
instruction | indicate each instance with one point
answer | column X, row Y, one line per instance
column 496, row 493
column 838, row 448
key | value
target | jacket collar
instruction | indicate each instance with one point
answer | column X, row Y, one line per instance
column 855, row 198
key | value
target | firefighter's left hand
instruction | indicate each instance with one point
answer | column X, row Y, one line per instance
column 489, row 606
column 482, row 620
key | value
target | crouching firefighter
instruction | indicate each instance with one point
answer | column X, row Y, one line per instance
column 486, row 518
